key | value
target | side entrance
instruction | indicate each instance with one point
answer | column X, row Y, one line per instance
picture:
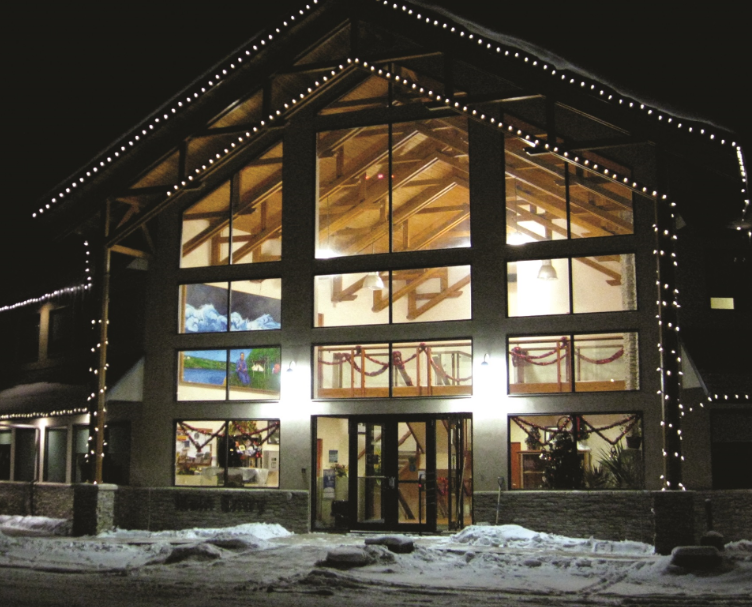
column 408, row 473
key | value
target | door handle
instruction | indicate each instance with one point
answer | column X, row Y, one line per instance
column 392, row 482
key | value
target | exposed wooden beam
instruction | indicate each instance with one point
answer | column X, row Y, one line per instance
column 118, row 248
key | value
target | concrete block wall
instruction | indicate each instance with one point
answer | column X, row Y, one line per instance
column 161, row 509
column 609, row 515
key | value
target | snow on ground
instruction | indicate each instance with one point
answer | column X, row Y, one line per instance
column 505, row 558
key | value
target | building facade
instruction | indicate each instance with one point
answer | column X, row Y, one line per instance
column 378, row 271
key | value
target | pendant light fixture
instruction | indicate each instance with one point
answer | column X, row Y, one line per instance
column 373, row 282
column 547, row 271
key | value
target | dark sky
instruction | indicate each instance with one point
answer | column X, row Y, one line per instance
column 77, row 78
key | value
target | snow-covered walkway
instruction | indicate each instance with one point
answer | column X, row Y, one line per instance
column 480, row 561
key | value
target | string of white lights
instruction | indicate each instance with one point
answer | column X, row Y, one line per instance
column 58, row 292
column 161, row 116
column 37, row 414
column 588, row 86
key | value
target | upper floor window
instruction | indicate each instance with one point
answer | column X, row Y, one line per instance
column 240, row 305
column 548, row 199
column 240, row 221
column 60, row 333
column 417, row 295
column 602, row 283
column 436, row 368
column 573, row 363
column 236, row 374
column 390, row 188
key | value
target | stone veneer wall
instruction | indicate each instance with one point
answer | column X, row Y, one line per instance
column 39, row 499
column 608, row 515
column 663, row 518
column 161, row 509
column 732, row 513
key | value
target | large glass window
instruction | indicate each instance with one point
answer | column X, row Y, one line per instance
column 566, row 451
column 573, row 363
column 227, row 453
column 547, row 199
column 419, row 295
column 25, row 467
column 436, row 368
column 237, row 374
column 240, row 221
column 80, row 449
column 604, row 283
column 5, row 447
column 55, row 451
column 399, row 187
column 241, row 305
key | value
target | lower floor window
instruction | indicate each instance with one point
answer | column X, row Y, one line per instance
column 227, row 453
column 576, row 451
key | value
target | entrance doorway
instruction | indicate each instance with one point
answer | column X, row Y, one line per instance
column 393, row 473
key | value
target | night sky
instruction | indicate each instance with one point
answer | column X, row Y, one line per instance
column 77, row 78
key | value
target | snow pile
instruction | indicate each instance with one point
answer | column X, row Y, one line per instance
column 514, row 536
column 253, row 534
column 34, row 525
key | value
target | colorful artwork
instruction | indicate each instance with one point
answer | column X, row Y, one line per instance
column 205, row 310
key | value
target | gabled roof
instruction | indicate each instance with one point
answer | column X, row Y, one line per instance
column 434, row 29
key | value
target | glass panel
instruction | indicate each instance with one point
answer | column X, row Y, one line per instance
column 116, row 466
column 28, row 337
column 605, row 283
column 351, row 299
column 332, row 466
column 254, row 373
column 606, row 362
column 202, row 375
column 538, row 287
column 432, row 368
column 411, row 472
column 353, row 192
column 576, row 451
column 539, row 365
column 80, row 444
column 206, row 230
column 203, row 308
column 352, row 371
column 536, row 195
column 60, row 332
column 257, row 219
column 253, row 453
column 5, row 447
column 374, row 92
column 431, row 294
column 55, row 460
column 430, row 180
column 372, row 485
column 26, row 455
column 256, row 305
column 598, row 206
column 196, row 453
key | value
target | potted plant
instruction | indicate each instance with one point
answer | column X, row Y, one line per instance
column 634, row 437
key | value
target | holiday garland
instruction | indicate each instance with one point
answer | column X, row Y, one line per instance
column 397, row 361
column 271, row 429
column 562, row 346
column 533, row 430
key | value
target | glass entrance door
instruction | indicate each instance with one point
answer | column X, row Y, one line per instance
column 396, row 464
column 408, row 473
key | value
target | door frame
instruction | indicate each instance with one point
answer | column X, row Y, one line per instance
column 428, row 518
